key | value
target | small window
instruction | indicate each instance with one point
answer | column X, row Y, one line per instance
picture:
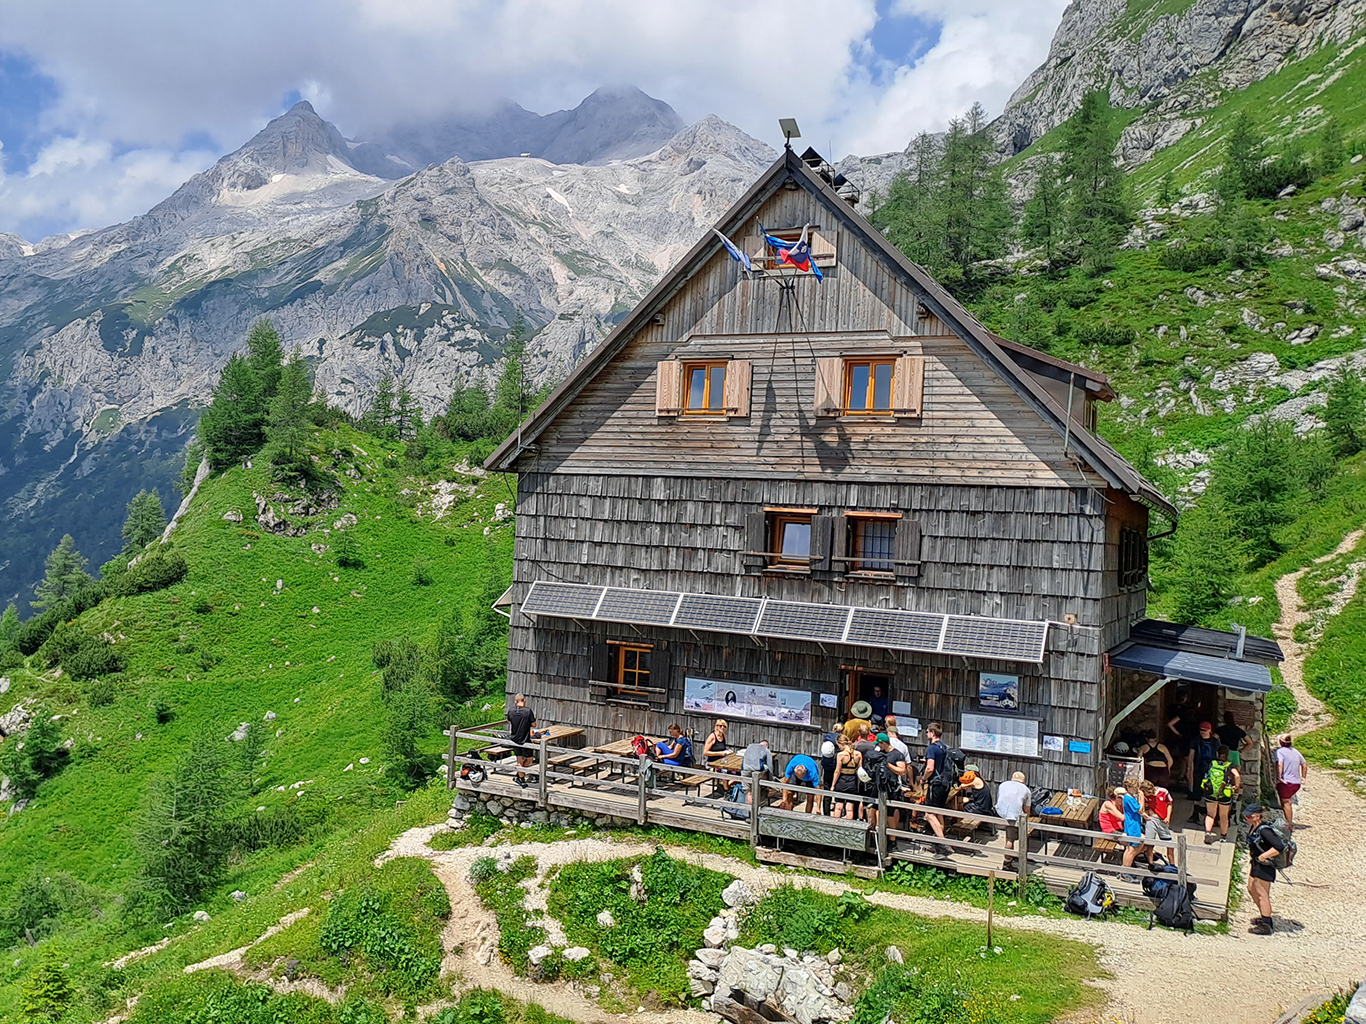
column 1133, row 559
column 868, row 385
column 633, row 668
column 872, row 544
column 706, row 388
column 790, row 540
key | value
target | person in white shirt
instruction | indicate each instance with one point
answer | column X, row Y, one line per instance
column 1291, row 772
column 895, row 740
column 1012, row 800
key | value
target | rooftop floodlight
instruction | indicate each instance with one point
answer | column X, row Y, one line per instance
column 788, row 126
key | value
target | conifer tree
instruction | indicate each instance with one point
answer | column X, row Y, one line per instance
column 265, row 354
column 1043, row 211
column 145, row 522
column 467, row 415
column 64, row 574
column 9, row 623
column 1344, row 415
column 379, row 418
column 912, row 218
column 1098, row 214
column 1332, row 147
column 1258, row 477
column 976, row 215
column 232, row 424
column 47, row 993
column 1242, row 158
column 1206, row 562
column 288, row 427
column 1166, row 189
column 407, row 415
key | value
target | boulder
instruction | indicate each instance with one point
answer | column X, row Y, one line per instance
column 238, row 895
column 697, row 969
column 270, row 716
column 894, row 956
column 536, row 954
column 201, row 915
column 1356, row 1009
column 576, row 953
column 233, row 516
column 698, row 987
column 834, row 956
column 4, row 684
column 711, row 957
column 606, row 920
column 715, row 938
column 738, row 894
column 240, row 733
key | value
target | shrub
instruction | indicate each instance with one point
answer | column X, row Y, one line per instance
column 216, row 997
column 10, row 658
column 1104, row 334
column 480, row 1006
column 1189, row 258
column 47, row 992
column 422, row 572
column 154, row 572
column 41, row 757
column 101, row 692
column 36, row 903
column 348, row 557
column 162, row 708
column 201, row 605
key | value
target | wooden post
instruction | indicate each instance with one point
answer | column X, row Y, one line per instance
column 754, row 810
column 641, row 773
column 1181, row 859
column 452, row 772
column 1022, row 860
column 543, row 784
column 882, row 830
column 991, row 904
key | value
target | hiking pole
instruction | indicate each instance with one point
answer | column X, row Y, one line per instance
column 991, row 903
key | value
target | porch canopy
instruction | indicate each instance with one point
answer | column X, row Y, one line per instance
column 887, row 628
column 1193, row 668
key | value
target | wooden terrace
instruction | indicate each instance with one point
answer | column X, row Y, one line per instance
column 609, row 780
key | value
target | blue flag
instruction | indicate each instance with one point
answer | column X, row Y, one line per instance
column 734, row 250
column 794, row 254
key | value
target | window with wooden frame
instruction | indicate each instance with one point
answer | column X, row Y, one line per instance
column 780, row 539
column 633, row 668
column 629, row 672
column 710, row 388
column 1133, row 559
column 704, row 388
column 871, row 542
column 877, row 385
column 790, row 539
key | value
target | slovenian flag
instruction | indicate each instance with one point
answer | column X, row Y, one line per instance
column 794, row 254
column 734, row 250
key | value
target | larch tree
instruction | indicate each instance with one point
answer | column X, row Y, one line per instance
column 145, row 521
column 64, row 574
column 379, row 418
column 1043, row 218
column 232, row 424
column 265, row 356
column 288, row 426
column 1098, row 212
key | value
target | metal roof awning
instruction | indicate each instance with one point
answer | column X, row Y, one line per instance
column 888, row 628
column 1200, row 640
column 1194, row 668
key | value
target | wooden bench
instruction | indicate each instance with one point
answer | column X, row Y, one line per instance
column 575, row 764
column 685, row 776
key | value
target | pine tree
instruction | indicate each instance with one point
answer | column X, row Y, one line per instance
column 232, row 424
column 912, row 218
column 1166, row 189
column 1332, row 147
column 407, row 415
column 145, row 521
column 1344, row 415
column 9, row 623
column 1206, row 562
column 47, row 993
column 976, row 215
column 512, row 397
column 467, row 415
column 288, row 427
column 1043, row 211
column 1098, row 213
column 1242, row 157
column 379, row 418
column 265, row 354
column 1258, row 478
column 64, row 574
column 1242, row 234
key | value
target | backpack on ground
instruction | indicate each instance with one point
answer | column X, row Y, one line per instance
column 1286, row 858
column 1090, row 897
column 735, row 798
column 1176, row 907
column 1155, row 887
column 473, row 773
column 1218, row 781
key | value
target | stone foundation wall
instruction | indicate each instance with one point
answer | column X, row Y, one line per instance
column 527, row 812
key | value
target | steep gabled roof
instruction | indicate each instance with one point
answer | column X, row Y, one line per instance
column 1091, row 450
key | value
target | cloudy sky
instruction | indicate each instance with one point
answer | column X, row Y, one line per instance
column 106, row 106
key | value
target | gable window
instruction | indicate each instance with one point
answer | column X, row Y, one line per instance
column 879, row 385
column 1133, row 559
column 871, row 543
column 868, row 385
column 705, row 384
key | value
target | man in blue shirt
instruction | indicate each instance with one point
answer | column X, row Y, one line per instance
column 801, row 771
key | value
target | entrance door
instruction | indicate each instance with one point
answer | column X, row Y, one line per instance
column 873, row 687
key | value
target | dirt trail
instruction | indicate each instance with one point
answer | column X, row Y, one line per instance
column 1310, row 713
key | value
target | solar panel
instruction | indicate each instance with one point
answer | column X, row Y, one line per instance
column 995, row 638
column 723, row 614
column 803, row 621
column 877, row 627
column 568, row 600
column 649, row 607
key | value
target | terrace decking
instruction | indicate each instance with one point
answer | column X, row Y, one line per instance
column 597, row 783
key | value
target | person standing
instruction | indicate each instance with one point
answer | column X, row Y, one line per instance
column 1202, row 752
column 1157, row 760
column 1012, row 800
column 897, row 741
column 522, row 730
column 1132, row 807
column 1263, row 846
column 1291, row 772
column 1221, row 784
column 936, row 783
column 845, row 782
column 1234, row 737
column 878, row 703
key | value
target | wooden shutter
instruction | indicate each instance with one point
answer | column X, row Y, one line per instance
column 668, row 388
column 738, row 375
column 829, row 386
column 661, row 672
column 821, row 527
column 907, row 550
column 909, row 386
column 839, row 542
column 601, row 663
column 756, row 539
column 823, row 248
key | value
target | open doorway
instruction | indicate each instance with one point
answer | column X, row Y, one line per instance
column 866, row 685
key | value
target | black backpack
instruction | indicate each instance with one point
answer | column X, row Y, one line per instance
column 1090, row 897
column 1175, row 907
column 948, row 773
column 884, row 779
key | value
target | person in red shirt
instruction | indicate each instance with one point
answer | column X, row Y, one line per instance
column 1157, row 819
column 1111, row 813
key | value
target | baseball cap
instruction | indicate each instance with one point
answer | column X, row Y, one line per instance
column 882, row 738
column 1206, row 725
column 1252, row 809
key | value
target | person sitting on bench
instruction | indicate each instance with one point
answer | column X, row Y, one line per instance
column 676, row 750
column 801, row 771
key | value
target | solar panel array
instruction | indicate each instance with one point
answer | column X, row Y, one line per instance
column 968, row 635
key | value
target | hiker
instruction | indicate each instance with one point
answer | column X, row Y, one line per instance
column 1012, row 800
column 879, row 704
column 1157, row 816
column 1157, row 759
column 1291, row 772
column 1111, row 816
column 897, row 741
column 860, row 717
column 1132, row 805
column 1181, row 725
column 976, row 794
column 715, row 746
column 1220, row 786
column 676, row 750
column 898, row 766
column 845, row 783
column 936, row 785
column 1263, row 845
column 522, row 730
column 1203, row 750
column 1233, row 737
column 801, row 771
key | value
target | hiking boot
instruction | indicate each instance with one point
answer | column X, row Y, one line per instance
column 940, row 853
column 1260, row 926
column 1209, row 838
column 521, row 782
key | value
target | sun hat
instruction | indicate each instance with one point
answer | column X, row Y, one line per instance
column 861, row 709
column 1121, row 791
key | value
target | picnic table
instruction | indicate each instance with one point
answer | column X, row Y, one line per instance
column 556, row 733
column 1075, row 813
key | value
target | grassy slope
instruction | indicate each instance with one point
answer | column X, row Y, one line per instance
column 79, row 821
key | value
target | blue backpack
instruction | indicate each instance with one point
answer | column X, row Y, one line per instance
column 684, row 752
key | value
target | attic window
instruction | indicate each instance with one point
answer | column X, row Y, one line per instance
column 705, row 387
column 872, row 386
column 715, row 388
column 822, row 247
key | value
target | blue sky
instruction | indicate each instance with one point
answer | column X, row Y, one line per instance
column 106, row 106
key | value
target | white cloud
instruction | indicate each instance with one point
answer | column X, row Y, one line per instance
column 145, row 74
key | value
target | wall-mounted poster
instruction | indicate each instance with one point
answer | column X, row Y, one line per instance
column 1052, row 743
column 830, row 700
column 996, row 734
column 732, row 699
column 998, row 692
